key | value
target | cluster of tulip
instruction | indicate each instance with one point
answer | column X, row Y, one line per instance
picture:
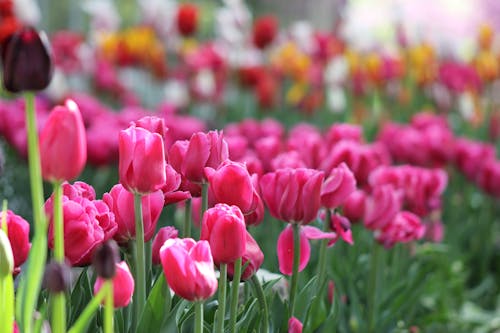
column 219, row 189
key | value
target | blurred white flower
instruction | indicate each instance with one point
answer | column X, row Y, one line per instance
column 27, row 11
column 233, row 22
column 336, row 70
column 336, row 99
column 176, row 93
column 204, row 83
column 160, row 14
column 104, row 16
column 302, row 32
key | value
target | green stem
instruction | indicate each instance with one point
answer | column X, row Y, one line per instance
column 198, row 317
column 322, row 257
column 58, row 223
column 87, row 313
column 295, row 269
column 204, row 199
column 262, row 301
column 7, row 303
column 140, row 300
column 235, row 288
column 30, row 286
column 372, row 287
column 108, row 307
column 59, row 313
column 187, row 219
column 219, row 326
column 148, row 262
column 4, row 217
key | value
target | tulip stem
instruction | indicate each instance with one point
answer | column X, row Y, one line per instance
column 108, row 307
column 221, row 312
column 7, row 303
column 295, row 269
column 30, row 286
column 4, row 217
column 262, row 300
column 59, row 313
column 140, row 267
column 372, row 287
column 204, row 199
column 87, row 313
column 187, row 219
column 198, row 317
column 58, row 224
column 322, row 257
column 235, row 288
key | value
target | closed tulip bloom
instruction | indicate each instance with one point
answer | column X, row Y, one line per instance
column 121, row 203
column 26, row 60
column 294, row 325
column 382, row 206
column 63, row 145
column 160, row 238
column 18, row 231
column 123, row 285
column 231, row 184
column 190, row 158
column 252, row 259
column 141, row 160
column 264, row 31
column 292, row 195
column 354, row 206
column 223, row 226
column 189, row 268
column 338, row 187
column 187, row 19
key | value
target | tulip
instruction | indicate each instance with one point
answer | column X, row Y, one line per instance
column 337, row 187
column 285, row 246
column 160, row 238
column 63, row 146
column 231, row 184
column 292, row 195
column 18, row 230
column 403, row 228
column 382, row 206
column 354, row 206
column 253, row 257
column 294, row 325
column 123, row 285
column 264, row 31
column 189, row 268
column 223, row 226
column 187, row 19
column 121, row 203
column 26, row 61
column 142, row 160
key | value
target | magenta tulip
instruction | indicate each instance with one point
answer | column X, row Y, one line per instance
column 223, row 226
column 121, row 203
column 338, row 187
column 292, row 195
column 403, row 228
column 63, row 146
column 189, row 268
column 382, row 206
column 18, row 231
column 160, row 238
column 294, row 325
column 123, row 285
column 252, row 259
column 142, row 160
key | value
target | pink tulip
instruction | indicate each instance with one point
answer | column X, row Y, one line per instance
column 354, row 206
column 488, row 177
column 123, row 285
column 63, row 146
column 252, row 259
column 342, row 227
column 160, row 238
column 403, row 228
column 337, row 187
column 382, row 206
column 223, row 226
column 471, row 155
column 294, row 325
column 285, row 247
column 121, row 203
column 292, row 195
column 142, row 160
column 339, row 132
column 189, row 268
column 231, row 184
column 189, row 158
column 18, row 231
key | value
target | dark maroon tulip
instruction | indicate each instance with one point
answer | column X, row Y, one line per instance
column 26, row 61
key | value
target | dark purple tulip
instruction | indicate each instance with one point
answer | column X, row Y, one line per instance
column 26, row 61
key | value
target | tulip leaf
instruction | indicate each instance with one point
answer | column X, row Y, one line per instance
column 316, row 314
column 80, row 297
column 304, row 298
column 157, row 307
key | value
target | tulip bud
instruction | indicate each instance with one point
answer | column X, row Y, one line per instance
column 187, row 19
column 6, row 256
column 57, row 277
column 224, row 228
column 160, row 238
column 26, row 60
column 105, row 258
column 63, row 145
column 264, row 31
column 294, row 325
column 123, row 285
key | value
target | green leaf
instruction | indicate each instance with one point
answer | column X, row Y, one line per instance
column 304, row 298
column 157, row 307
column 316, row 314
column 80, row 297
